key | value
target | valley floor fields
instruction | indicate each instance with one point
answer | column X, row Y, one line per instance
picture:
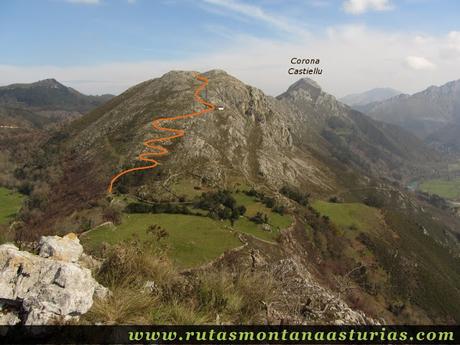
column 448, row 189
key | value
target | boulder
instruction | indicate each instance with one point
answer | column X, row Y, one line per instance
column 266, row 227
column 67, row 248
column 46, row 288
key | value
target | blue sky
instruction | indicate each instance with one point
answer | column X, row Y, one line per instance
column 102, row 46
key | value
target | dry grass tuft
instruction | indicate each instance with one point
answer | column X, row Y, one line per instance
column 124, row 306
column 132, row 264
column 207, row 297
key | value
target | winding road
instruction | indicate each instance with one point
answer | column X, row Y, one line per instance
column 177, row 133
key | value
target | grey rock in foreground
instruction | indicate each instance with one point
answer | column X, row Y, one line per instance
column 46, row 288
column 66, row 248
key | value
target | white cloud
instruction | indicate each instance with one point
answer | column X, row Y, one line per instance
column 353, row 58
column 452, row 47
column 85, row 2
column 258, row 13
column 361, row 6
column 420, row 39
column 419, row 63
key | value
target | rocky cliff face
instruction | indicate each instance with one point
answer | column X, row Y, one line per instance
column 46, row 288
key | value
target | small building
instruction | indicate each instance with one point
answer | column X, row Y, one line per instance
column 220, row 107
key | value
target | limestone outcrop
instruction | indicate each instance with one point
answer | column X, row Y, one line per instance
column 46, row 288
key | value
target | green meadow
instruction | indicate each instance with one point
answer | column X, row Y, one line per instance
column 346, row 215
column 192, row 240
column 10, row 203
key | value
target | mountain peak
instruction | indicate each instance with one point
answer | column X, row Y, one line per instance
column 48, row 83
column 181, row 73
column 304, row 83
column 45, row 83
column 303, row 89
column 217, row 72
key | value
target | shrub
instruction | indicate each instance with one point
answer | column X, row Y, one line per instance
column 252, row 192
column 221, row 205
column 241, row 210
column 279, row 209
column 158, row 232
column 212, row 200
column 85, row 223
column 259, row 218
column 140, row 207
column 267, row 201
column 335, row 199
column 25, row 188
column 373, row 199
column 294, row 194
column 111, row 214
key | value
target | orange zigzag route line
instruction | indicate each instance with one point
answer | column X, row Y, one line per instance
column 156, row 124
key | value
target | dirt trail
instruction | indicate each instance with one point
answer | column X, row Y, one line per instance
column 177, row 133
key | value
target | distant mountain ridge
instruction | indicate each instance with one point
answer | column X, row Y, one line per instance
column 371, row 96
column 43, row 102
column 424, row 113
